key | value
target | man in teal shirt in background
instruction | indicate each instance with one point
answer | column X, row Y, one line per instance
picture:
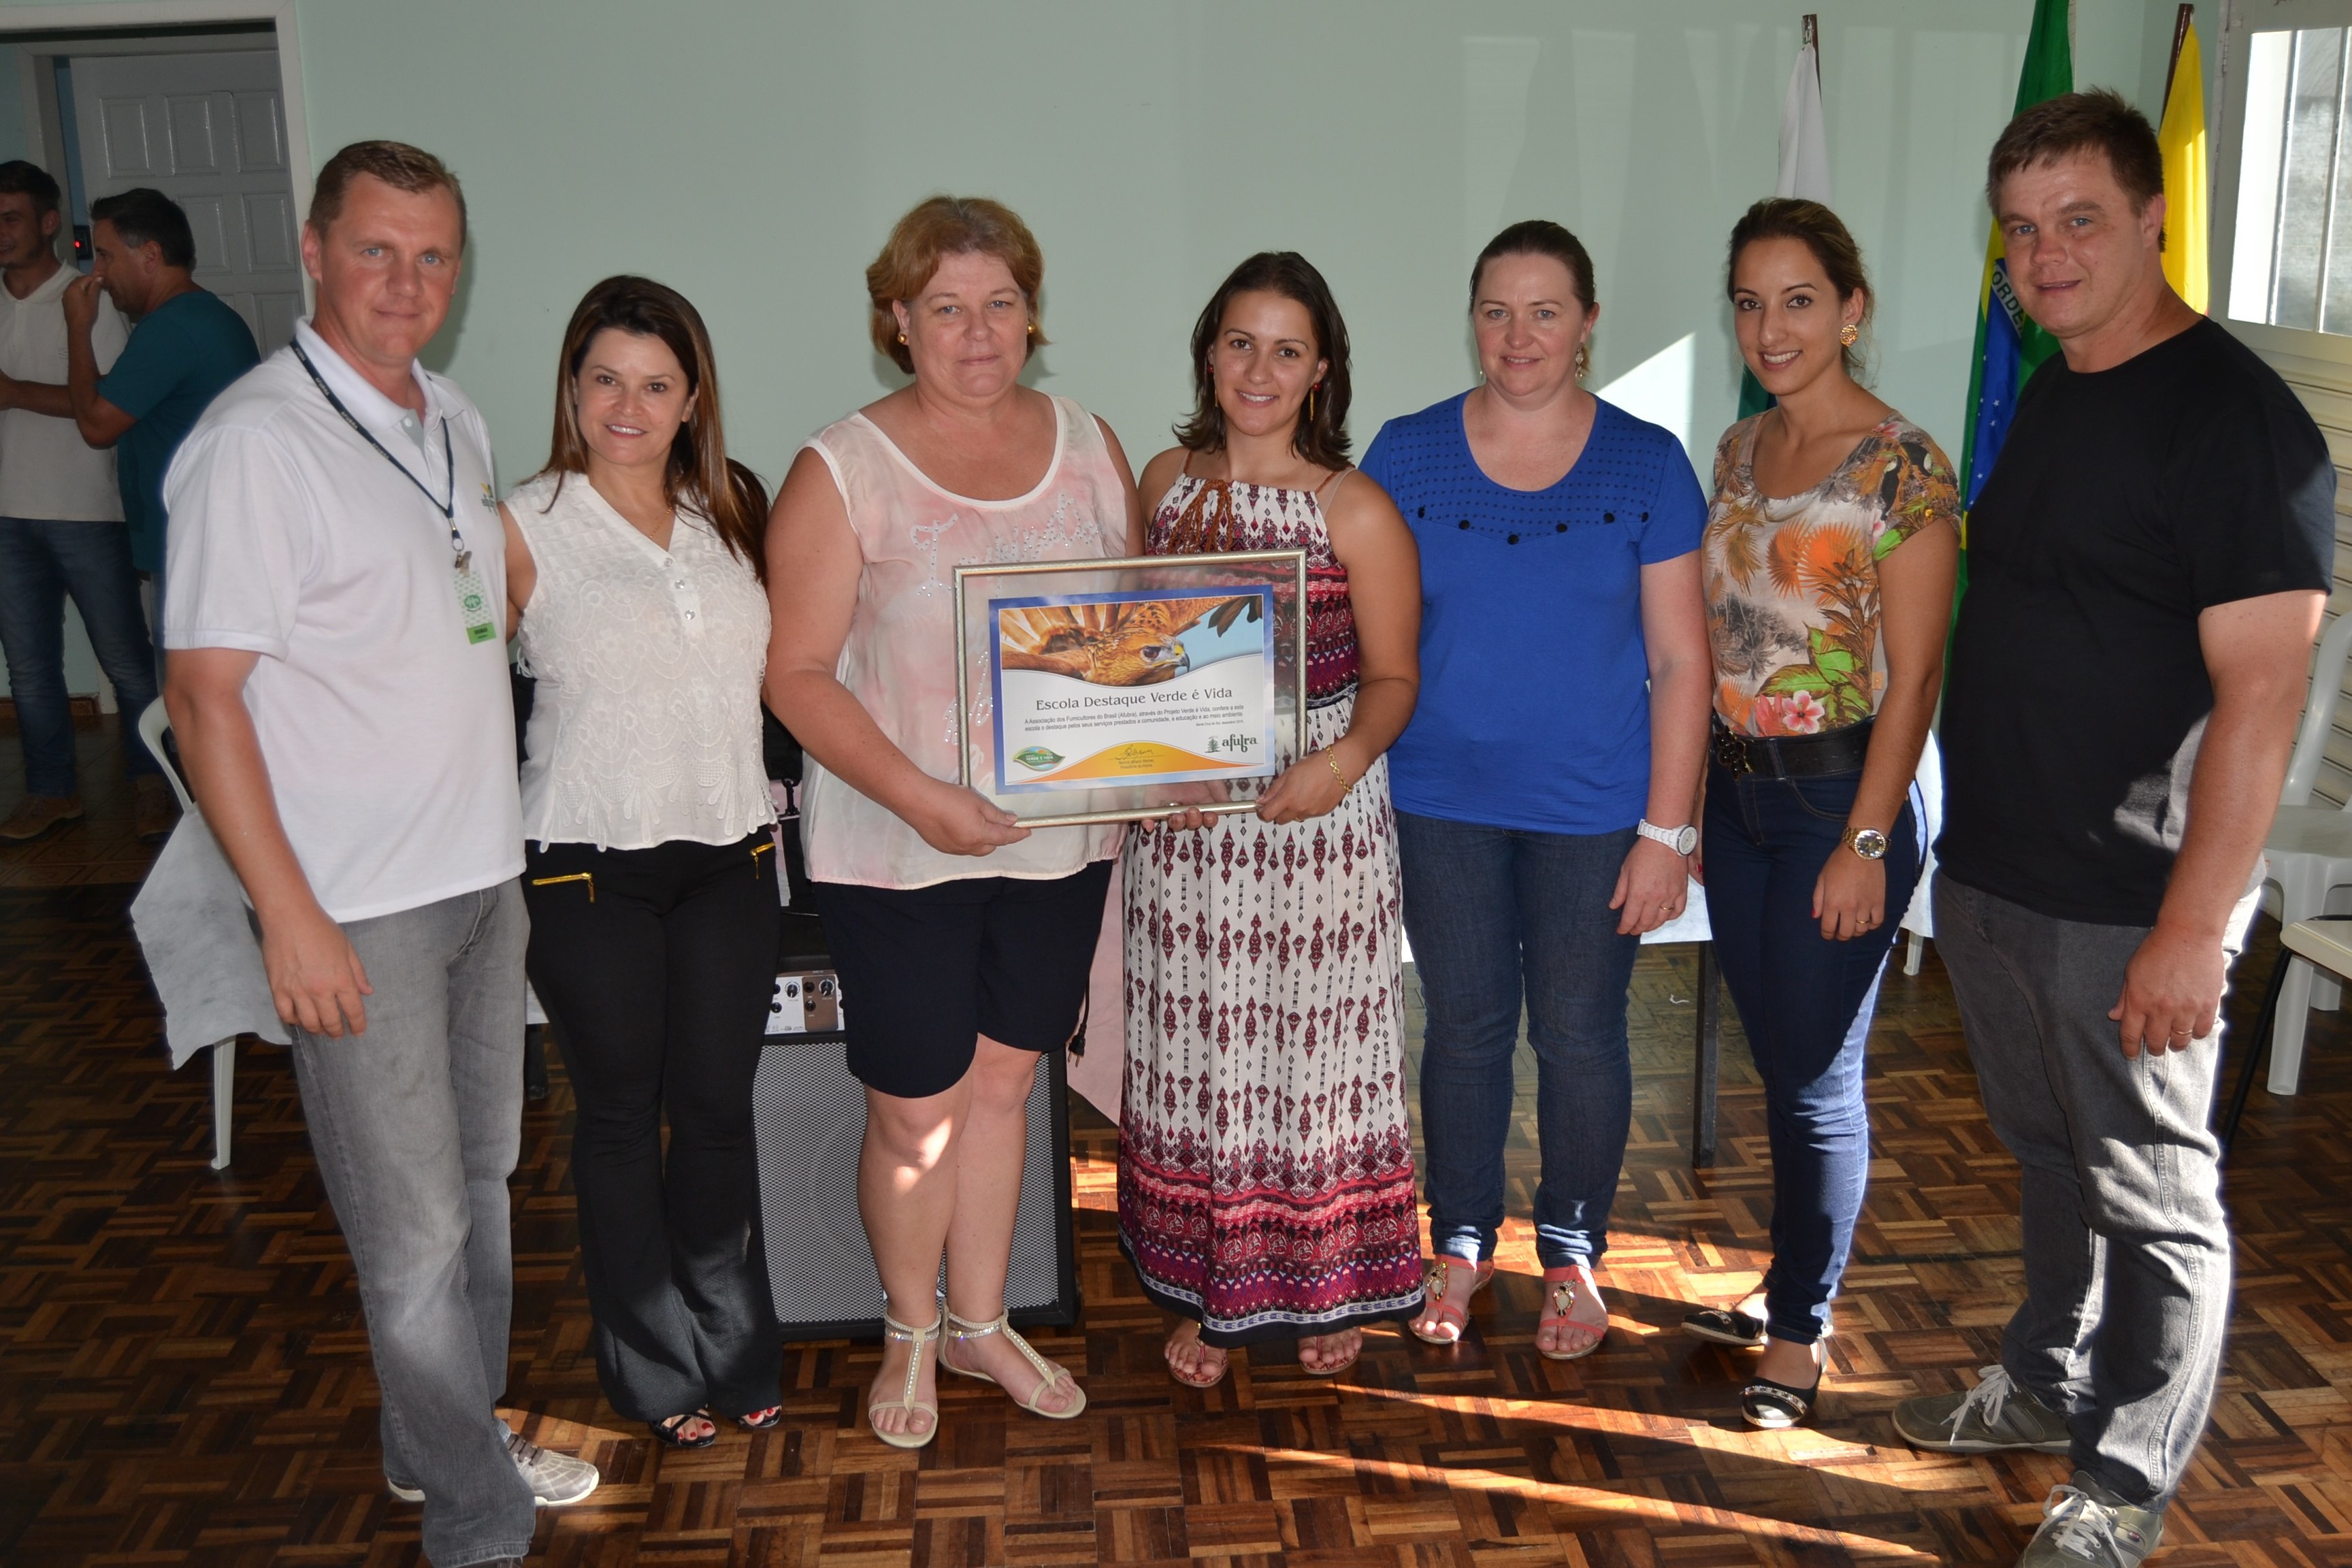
column 188, row 344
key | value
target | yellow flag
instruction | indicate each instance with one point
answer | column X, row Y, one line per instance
column 2187, row 227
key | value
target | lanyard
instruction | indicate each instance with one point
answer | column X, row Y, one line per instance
column 447, row 508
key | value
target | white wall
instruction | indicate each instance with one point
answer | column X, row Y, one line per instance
column 754, row 153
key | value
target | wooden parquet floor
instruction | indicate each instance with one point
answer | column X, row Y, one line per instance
column 184, row 1380
column 96, row 849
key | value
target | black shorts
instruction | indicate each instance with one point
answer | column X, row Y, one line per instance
column 925, row 971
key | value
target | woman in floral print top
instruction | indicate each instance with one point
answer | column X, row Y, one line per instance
column 1828, row 563
column 1793, row 591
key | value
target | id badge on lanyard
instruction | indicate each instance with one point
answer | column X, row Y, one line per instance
column 474, row 601
column 474, row 610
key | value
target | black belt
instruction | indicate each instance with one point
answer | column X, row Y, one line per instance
column 1792, row 756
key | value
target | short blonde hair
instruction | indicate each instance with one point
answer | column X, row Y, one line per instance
column 943, row 226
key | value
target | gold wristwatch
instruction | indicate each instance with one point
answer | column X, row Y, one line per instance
column 1867, row 842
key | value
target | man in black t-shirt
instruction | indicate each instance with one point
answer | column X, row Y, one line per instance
column 2147, row 564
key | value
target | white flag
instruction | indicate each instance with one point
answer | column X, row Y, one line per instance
column 1804, row 145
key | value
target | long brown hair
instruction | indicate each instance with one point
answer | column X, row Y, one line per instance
column 1819, row 231
column 1320, row 437
column 736, row 504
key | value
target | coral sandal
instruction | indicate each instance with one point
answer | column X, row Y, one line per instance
column 892, row 1329
column 1564, row 1287
column 962, row 1329
column 1447, row 1314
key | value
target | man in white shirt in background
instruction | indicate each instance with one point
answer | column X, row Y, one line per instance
column 61, row 529
column 334, row 595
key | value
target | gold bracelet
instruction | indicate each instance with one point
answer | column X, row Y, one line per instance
column 1346, row 783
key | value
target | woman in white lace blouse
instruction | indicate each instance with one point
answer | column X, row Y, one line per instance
column 634, row 565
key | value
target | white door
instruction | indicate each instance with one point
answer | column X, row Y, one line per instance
column 209, row 132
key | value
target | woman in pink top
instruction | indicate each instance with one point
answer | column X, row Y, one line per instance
column 962, row 940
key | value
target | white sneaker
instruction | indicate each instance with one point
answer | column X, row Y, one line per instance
column 555, row 1478
column 2077, row 1527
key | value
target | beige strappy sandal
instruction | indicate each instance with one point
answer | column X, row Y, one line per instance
column 892, row 1329
column 961, row 1329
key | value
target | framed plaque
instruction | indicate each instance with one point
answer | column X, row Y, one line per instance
column 1121, row 690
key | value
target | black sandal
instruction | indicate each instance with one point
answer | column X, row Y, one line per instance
column 766, row 1420
column 1777, row 1407
column 668, row 1431
column 1725, row 1326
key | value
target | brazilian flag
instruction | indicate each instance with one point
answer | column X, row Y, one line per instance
column 2010, row 347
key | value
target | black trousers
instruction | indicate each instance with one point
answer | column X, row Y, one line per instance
column 656, row 967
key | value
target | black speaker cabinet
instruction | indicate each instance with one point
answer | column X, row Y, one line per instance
column 811, row 1115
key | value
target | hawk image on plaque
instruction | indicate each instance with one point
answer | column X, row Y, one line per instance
column 1141, row 686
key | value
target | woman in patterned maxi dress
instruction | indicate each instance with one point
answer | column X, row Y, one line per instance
column 1266, row 1182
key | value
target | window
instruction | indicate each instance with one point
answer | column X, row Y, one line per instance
column 2292, row 261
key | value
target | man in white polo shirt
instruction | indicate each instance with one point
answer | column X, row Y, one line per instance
column 61, row 529
column 334, row 589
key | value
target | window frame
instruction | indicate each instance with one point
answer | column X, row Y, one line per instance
column 2227, row 140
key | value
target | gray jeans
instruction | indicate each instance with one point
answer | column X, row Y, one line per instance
column 416, row 1125
column 2127, row 1246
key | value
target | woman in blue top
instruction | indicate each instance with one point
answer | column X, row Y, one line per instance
column 1546, row 786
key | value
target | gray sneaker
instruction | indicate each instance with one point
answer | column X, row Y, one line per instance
column 555, row 1478
column 1994, row 1416
column 2077, row 1527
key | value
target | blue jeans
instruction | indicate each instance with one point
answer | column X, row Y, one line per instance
column 1499, row 916
column 1805, row 1002
column 41, row 563
column 416, row 1125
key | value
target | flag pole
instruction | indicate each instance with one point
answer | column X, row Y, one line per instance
column 2180, row 36
column 1813, row 42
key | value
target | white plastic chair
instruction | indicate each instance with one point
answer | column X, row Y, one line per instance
column 2310, row 854
column 153, row 725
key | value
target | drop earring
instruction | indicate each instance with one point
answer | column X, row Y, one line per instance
column 1310, row 403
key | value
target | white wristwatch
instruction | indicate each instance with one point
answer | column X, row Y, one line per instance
column 1681, row 840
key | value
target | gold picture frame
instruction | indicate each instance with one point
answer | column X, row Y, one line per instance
column 1103, row 590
